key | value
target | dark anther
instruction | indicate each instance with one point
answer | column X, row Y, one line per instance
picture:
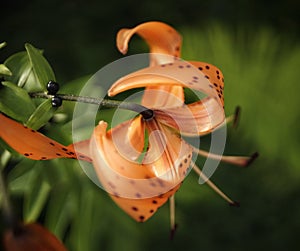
column 234, row 204
column 252, row 158
column 52, row 87
column 147, row 114
column 173, row 230
column 56, row 101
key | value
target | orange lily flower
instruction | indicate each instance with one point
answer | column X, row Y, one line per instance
column 141, row 188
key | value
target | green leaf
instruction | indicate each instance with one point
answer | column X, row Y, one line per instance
column 36, row 197
column 21, row 176
column 15, row 102
column 4, row 70
column 40, row 66
column 41, row 115
column 20, row 67
column 62, row 208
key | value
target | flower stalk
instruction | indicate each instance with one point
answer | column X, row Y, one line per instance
column 144, row 111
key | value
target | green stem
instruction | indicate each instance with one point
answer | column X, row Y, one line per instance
column 144, row 111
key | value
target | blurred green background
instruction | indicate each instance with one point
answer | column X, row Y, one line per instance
column 255, row 44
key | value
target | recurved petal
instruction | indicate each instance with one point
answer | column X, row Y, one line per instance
column 198, row 118
column 34, row 145
column 123, row 177
column 178, row 73
column 160, row 37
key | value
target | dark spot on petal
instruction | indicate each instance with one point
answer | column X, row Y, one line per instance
column 200, row 68
column 52, row 144
column 154, row 202
column 151, row 211
column 138, row 195
column 116, row 195
column 64, row 149
column 161, row 183
column 216, row 85
column 111, row 185
column 207, row 67
column 185, row 160
column 33, row 131
column 134, row 208
column 58, row 154
column 142, row 218
column 195, row 77
column 26, row 154
column 206, row 76
column 180, row 66
column 188, row 66
column 152, row 184
column 43, row 158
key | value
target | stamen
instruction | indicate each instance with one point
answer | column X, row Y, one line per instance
column 243, row 161
column 172, row 216
column 213, row 186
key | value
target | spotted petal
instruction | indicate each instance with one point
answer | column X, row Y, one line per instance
column 179, row 73
column 198, row 118
column 140, row 188
column 165, row 44
column 33, row 144
column 160, row 165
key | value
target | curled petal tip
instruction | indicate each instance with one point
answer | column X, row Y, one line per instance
column 234, row 204
column 252, row 158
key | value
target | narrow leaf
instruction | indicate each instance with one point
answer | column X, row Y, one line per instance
column 4, row 70
column 41, row 68
column 41, row 115
column 15, row 102
column 20, row 67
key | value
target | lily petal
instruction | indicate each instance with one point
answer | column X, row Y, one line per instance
column 33, row 144
column 168, row 154
column 161, row 38
column 198, row 118
column 140, row 189
column 154, row 176
column 165, row 44
column 163, row 96
column 179, row 73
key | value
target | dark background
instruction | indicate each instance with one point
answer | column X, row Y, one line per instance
column 73, row 32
